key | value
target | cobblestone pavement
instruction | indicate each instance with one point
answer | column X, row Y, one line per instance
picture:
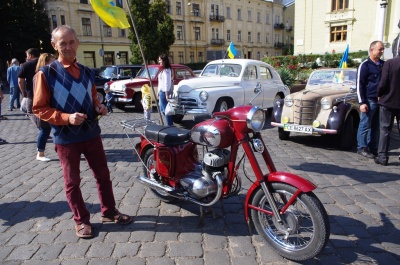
column 36, row 224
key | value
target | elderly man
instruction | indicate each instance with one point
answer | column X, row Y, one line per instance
column 65, row 96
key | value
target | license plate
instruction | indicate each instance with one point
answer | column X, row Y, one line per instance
column 297, row 128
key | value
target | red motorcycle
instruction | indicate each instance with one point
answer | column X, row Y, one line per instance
column 281, row 205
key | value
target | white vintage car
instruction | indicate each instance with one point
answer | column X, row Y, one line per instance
column 226, row 83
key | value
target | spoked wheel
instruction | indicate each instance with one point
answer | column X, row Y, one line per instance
column 150, row 164
column 305, row 228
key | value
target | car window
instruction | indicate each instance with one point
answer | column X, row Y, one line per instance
column 182, row 74
column 107, row 72
column 265, row 73
column 332, row 77
column 250, row 73
column 143, row 72
column 210, row 70
column 125, row 72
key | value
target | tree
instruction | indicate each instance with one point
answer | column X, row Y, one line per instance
column 24, row 25
column 155, row 29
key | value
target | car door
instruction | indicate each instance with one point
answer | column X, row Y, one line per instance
column 269, row 85
column 250, row 80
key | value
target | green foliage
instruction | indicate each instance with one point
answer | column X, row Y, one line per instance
column 24, row 24
column 286, row 76
column 155, row 29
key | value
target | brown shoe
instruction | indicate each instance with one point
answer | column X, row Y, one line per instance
column 83, row 230
column 117, row 217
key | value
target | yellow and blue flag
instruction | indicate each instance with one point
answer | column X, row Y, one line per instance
column 343, row 62
column 112, row 15
column 231, row 51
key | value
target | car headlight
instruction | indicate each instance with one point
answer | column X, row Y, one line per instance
column 255, row 119
column 326, row 103
column 106, row 86
column 123, row 87
column 288, row 101
column 203, row 96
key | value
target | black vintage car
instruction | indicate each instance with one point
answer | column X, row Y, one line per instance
column 111, row 73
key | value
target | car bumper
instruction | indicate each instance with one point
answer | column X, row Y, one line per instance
column 123, row 100
column 312, row 130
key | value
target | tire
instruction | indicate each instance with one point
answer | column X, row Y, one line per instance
column 306, row 219
column 119, row 106
column 221, row 105
column 137, row 101
column 177, row 118
column 149, row 163
column 101, row 95
column 346, row 136
column 283, row 135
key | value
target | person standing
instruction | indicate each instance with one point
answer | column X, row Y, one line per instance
column 164, row 85
column 25, row 76
column 368, row 77
column 389, row 106
column 12, row 79
column 66, row 97
column 109, row 100
column 146, row 102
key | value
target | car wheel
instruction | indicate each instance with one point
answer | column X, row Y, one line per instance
column 137, row 100
column 177, row 118
column 346, row 137
column 119, row 106
column 283, row 135
column 101, row 96
column 222, row 105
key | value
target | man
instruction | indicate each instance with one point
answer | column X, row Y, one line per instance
column 66, row 97
column 368, row 77
column 389, row 106
column 12, row 79
column 396, row 44
column 26, row 74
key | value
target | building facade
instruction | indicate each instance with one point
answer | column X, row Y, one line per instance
column 329, row 25
column 203, row 30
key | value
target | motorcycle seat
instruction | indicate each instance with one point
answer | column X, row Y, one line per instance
column 167, row 135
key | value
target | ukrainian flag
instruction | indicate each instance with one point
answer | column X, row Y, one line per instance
column 112, row 15
column 343, row 62
column 231, row 51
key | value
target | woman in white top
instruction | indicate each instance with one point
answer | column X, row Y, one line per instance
column 164, row 85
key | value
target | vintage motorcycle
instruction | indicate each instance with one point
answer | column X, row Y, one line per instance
column 281, row 205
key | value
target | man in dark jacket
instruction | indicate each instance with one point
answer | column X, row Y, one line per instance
column 389, row 106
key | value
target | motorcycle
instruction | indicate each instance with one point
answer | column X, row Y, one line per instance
column 280, row 205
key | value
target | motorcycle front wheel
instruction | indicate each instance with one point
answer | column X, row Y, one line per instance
column 305, row 228
column 149, row 164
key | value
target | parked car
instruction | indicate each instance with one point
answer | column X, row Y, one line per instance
column 226, row 83
column 113, row 72
column 327, row 105
column 197, row 72
column 128, row 92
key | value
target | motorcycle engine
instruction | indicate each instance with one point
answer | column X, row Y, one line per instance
column 200, row 183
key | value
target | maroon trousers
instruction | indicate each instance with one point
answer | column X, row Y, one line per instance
column 70, row 156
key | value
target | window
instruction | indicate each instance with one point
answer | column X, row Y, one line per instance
column 89, row 59
column 179, row 35
column 109, row 58
column 197, row 33
column 178, row 8
column 249, row 36
column 86, row 27
column 180, row 57
column 119, row 3
column 267, row 38
column 239, row 35
column 228, row 35
column 83, row 1
column 239, row 13
column 62, row 17
column 258, row 37
column 267, row 18
column 249, row 15
column 200, row 57
column 169, row 8
column 121, row 33
column 212, row 9
column 214, row 33
column 191, row 56
column 250, row 73
column 258, row 17
column 171, row 57
column 107, row 30
column 265, row 73
column 228, row 12
column 54, row 21
column 339, row 5
column 123, row 59
column 338, row 33
column 258, row 56
column 196, row 10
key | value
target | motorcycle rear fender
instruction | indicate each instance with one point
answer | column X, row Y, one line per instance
column 142, row 146
column 283, row 177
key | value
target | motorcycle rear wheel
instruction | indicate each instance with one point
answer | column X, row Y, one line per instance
column 305, row 231
column 149, row 163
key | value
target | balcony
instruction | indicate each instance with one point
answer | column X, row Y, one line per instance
column 217, row 41
column 279, row 26
column 278, row 45
column 217, row 18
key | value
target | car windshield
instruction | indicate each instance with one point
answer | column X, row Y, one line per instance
column 143, row 73
column 337, row 76
column 108, row 72
column 222, row 70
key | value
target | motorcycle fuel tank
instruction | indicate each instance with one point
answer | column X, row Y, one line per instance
column 213, row 133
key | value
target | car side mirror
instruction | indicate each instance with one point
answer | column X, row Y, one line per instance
column 353, row 89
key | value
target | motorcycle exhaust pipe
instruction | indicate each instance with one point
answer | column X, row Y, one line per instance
column 154, row 185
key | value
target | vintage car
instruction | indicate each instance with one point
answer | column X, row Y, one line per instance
column 327, row 105
column 112, row 73
column 128, row 92
column 226, row 83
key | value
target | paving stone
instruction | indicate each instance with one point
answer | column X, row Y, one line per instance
column 186, row 249
column 152, row 250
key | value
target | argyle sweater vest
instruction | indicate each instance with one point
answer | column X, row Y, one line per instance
column 70, row 95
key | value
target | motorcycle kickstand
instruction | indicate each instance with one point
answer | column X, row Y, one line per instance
column 204, row 213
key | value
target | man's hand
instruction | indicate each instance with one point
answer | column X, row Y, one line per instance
column 77, row 118
column 364, row 108
column 101, row 109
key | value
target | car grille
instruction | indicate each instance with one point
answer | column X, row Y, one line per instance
column 118, row 94
column 305, row 111
column 188, row 103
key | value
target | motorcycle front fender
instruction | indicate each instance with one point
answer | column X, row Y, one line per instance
column 283, row 177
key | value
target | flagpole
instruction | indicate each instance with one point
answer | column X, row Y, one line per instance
column 144, row 61
column 226, row 51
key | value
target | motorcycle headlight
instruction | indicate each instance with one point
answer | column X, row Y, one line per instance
column 255, row 119
column 203, row 96
column 326, row 103
column 288, row 101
